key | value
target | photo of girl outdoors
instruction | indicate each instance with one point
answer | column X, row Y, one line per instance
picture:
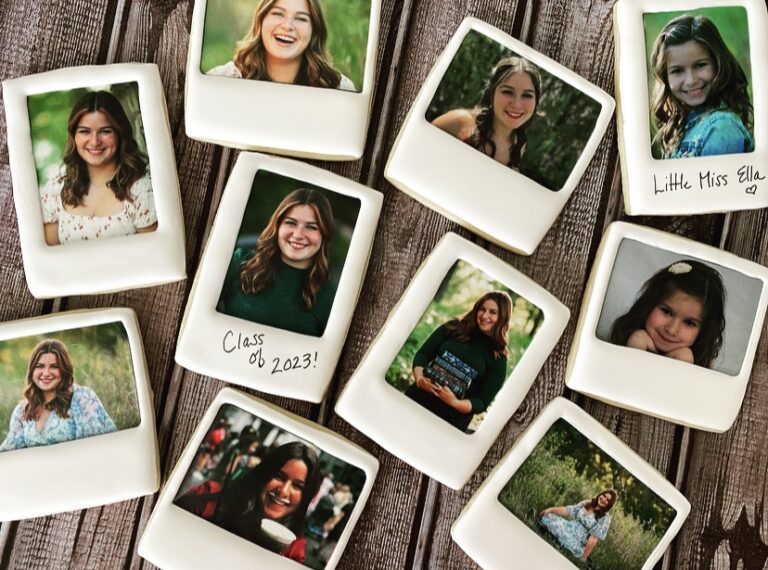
column 465, row 346
column 317, row 43
column 79, row 384
column 679, row 308
column 92, row 165
column 701, row 100
column 270, row 487
column 289, row 255
column 584, row 504
column 512, row 111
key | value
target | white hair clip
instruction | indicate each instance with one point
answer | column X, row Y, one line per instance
column 680, row 268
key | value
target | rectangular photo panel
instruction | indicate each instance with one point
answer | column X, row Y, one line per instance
column 289, row 254
column 679, row 307
column 585, row 504
column 700, row 82
column 66, row 385
column 92, row 164
column 316, row 43
column 464, row 347
column 271, row 487
column 514, row 112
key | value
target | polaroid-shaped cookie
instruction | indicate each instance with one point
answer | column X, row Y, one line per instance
column 668, row 327
column 75, row 405
column 292, row 77
column 258, row 487
column 454, row 361
column 94, row 180
column 570, row 494
column 280, row 276
column 691, row 95
column 494, row 135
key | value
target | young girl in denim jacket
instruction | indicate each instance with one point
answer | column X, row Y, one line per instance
column 700, row 102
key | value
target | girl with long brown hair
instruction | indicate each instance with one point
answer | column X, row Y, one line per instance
column 105, row 190
column 284, row 281
column 461, row 367
column 286, row 43
column 54, row 409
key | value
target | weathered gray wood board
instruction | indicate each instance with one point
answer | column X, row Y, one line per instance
column 408, row 518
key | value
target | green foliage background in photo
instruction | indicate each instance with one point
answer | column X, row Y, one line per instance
column 228, row 21
column 462, row 286
column 566, row 468
column 733, row 26
column 49, row 114
column 101, row 356
column 556, row 137
column 270, row 188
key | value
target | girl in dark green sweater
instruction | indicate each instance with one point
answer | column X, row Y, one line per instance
column 283, row 282
column 462, row 365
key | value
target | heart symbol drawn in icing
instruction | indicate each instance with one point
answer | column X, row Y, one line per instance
column 752, row 189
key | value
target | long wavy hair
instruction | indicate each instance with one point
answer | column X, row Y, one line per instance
column 240, row 509
column 729, row 85
column 35, row 402
column 464, row 328
column 597, row 509
column 257, row 274
column 482, row 137
column 700, row 281
column 130, row 161
column 316, row 69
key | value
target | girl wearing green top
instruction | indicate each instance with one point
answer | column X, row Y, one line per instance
column 476, row 346
column 283, row 282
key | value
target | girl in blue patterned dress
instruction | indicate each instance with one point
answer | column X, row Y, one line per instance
column 700, row 103
column 579, row 527
column 54, row 408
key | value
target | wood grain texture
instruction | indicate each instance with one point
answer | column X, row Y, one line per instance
column 407, row 521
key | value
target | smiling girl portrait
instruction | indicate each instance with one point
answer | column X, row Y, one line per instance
column 701, row 102
column 285, row 276
column 316, row 43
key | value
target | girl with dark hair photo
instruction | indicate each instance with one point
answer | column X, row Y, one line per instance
column 579, row 527
column 284, row 281
column 278, row 490
column 700, row 103
column 54, row 408
column 461, row 367
column 286, row 43
column 105, row 190
column 680, row 313
column 497, row 125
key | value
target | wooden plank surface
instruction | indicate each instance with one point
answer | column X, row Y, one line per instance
column 406, row 523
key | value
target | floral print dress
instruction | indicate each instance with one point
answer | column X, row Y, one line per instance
column 87, row 417
column 574, row 533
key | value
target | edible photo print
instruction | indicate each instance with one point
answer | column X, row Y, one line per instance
column 464, row 347
column 691, row 85
column 75, row 400
column 94, row 180
column 257, row 486
column 504, row 125
column 456, row 357
column 659, row 306
column 570, row 494
column 309, row 70
column 279, row 278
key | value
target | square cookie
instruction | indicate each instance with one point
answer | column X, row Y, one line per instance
column 291, row 77
column 570, row 494
column 485, row 87
column 456, row 357
column 691, row 97
column 94, row 180
column 280, row 276
column 75, row 401
column 668, row 327
column 258, row 487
